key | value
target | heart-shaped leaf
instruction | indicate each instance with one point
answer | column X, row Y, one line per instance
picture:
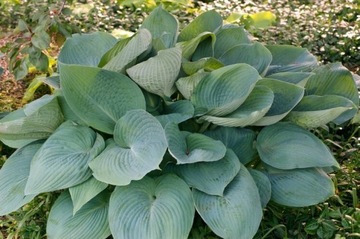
column 238, row 213
column 62, row 161
column 240, row 140
column 167, row 33
column 208, row 21
column 224, row 89
column 290, row 58
column 13, row 177
column 127, row 56
column 254, row 54
column 314, row 111
column 188, row 147
column 334, row 79
column 163, row 208
column 91, row 221
column 86, row 49
column 37, row 120
column 209, row 177
column 92, row 93
column 138, row 147
column 286, row 97
column 84, row 192
column 228, row 37
column 158, row 74
column 254, row 108
column 300, row 187
column 288, row 146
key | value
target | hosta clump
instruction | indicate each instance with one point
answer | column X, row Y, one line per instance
column 143, row 132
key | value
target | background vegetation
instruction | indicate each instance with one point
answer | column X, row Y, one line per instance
column 329, row 29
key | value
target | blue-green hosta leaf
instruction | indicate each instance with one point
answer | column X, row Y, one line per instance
column 176, row 112
column 315, row 111
column 254, row 54
column 186, row 85
column 208, row 21
column 224, row 90
column 138, row 147
column 92, row 94
column 256, row 105
column 297, row 78
column 206, row 64
column 189, row 47
column 13, row 177
column 228, row 37
column 286, row 97
column 152, row 208
column 238, row 213
column 86, row 49
column 240, row 140
column 84, row 192
column 263, row 184
column 300, row 187
column 62, row 161
column 158, row 74
column 334, row 79
column 127, row 56
column 209, row 177
column 188, row 147
column 91, row 221
column 66, row 110
column 288, row 146
column 290, row 58
column 37, row 120
column 167, row 33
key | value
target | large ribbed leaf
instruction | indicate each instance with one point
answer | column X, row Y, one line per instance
column 189, row 47
column 209, row 177
column 188, row 147
column 84, row 192
column 37, row 120
column 186, row 85
column 240, row 140
column 300, row 187
column 334, row 79
column 158, row 74
column 227, row 38
column 238, row 213
column 127, row 56
column 66, row 110
column 93, row 93
column 254, row 54
column 13, row 177
column 256, row 105
column 91, row 221
column 290, row 58
column 263, row 184
column 288, row 146
column 62, row 161
column 167, row 33
column 206, row 64
column 287, row 96
column 209, row 21
column 314, row 111
column 153, row 209
column 297, row 78
column 138, row 147
column 224, row 90
column 176, row 112
column 86, row 49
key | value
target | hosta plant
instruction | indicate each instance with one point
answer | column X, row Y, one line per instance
column 143, row 134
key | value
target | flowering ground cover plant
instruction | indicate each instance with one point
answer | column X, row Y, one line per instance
column 142, row 133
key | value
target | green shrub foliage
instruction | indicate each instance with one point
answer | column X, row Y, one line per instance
column 143, row 132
